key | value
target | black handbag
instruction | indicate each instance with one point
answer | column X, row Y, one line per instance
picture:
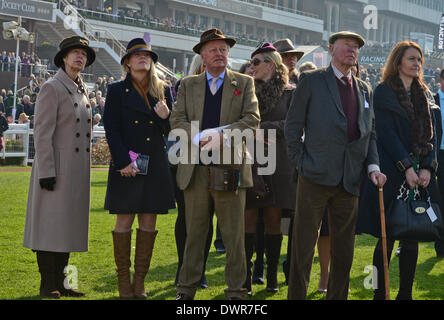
column 260, row 190
column 418, row 220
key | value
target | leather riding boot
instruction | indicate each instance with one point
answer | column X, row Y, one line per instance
column 272, row 252
column 250, row 239
column 46, row 263
column 122, row 254
column 144, row 250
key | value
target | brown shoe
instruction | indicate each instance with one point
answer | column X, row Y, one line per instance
column 144, row 250
column 122, row 254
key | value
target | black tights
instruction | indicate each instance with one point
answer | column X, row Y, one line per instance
column 407, row 267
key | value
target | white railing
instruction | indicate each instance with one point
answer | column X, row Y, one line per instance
column 16, row 142
column 19, row 142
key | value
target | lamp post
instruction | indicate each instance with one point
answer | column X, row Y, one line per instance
column 14, row 30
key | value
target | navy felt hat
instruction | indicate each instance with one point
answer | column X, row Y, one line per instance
column 137, row 45
column 263, row 47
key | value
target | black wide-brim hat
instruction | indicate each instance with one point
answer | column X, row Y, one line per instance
column 137, row 45
column 210, row 35
column 74, row 42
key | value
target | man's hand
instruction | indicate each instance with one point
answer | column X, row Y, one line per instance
column 212, row 141
column 378, row 178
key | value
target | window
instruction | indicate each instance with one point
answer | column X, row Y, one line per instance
column 216, row 22
column 239, row 28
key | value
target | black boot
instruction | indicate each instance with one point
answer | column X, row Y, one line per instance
column 258, row 270
column 407, row 268
column 272, row 252
column 48, row 285
column 250, row 239
column 378, row 262
column 63, row 286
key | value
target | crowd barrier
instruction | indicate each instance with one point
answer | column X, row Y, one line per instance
column 19, row 142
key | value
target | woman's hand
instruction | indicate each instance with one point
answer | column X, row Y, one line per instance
column 129, row 171
column 424, row 177
column 162, row 110
column 412, row 178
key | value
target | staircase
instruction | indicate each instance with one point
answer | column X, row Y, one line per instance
column 69, row 22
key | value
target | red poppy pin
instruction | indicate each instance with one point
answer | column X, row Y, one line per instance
column 237, row 92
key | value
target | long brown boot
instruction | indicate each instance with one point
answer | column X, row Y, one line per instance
column 144, row 251
column 122, row 254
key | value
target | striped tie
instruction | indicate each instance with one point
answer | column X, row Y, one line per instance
column 213, row 87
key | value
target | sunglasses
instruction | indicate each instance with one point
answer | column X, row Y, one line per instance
column 256, row 61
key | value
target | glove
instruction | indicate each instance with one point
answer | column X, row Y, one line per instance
column 47, row 183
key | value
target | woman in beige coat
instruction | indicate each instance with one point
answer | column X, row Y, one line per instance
column 57, row 216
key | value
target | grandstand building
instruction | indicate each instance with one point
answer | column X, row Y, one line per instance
column 174, row 26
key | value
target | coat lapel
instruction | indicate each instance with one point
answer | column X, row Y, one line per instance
column 333, row 87
column 199, row 89
column 227, row 97
column 362, row 95
column 132, row 98
column 67, row 82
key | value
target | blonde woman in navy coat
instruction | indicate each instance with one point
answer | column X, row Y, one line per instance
column 136, row 116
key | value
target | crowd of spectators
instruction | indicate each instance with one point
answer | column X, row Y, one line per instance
column 372, row 74
column 137, row 18
column 27, row 63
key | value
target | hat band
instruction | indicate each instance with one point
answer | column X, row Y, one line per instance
column 138, row 46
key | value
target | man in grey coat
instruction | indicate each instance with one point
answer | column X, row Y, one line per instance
column 331, row 140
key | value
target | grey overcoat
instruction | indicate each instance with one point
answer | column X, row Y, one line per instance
column 58, row 220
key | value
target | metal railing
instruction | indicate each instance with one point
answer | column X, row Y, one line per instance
column 99, row 34
column 281, row 8
column 25, row 69
column 91, row 32
column 19, row 142
column 16, row 142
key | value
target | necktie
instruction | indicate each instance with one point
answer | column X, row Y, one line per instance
column 346, row 80
column 213, row 87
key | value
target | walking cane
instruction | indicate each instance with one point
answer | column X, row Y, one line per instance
column 384, row 244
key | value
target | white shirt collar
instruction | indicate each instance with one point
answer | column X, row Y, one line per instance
column 339, row 74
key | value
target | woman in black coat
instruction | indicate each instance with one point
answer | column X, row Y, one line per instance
column 274, row 96
column 135, row 118
column 403, row 143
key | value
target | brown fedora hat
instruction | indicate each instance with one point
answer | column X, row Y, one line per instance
column 284, row 46
column 210, row 35
column 74, row 42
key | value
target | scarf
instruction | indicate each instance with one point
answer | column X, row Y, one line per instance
column 269, row 92
column 418, row 111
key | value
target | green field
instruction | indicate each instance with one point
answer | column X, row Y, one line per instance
column 19, row 277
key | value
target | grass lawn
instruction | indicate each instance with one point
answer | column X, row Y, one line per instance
column 19, row 277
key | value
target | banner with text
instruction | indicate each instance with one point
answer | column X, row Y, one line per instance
column 441, row 34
